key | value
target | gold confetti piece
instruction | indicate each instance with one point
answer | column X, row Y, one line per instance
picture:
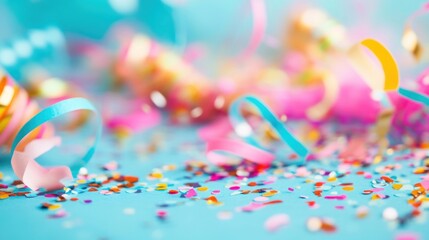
column 411, row 43
column 161, row 186
column 156, row 175
column 81, row 181
column 396, row 186
column 54, row 207
column 4, row 196
column 348, row 188
column 202, row 189
column 331, row 179
column 375, row 197
column 270, row 193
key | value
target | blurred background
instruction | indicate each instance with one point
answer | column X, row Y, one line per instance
column 194, row 57
column 179, row 23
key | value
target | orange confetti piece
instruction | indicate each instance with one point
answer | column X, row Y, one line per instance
column 348, row 188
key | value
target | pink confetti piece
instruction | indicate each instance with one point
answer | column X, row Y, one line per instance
column 337, row 197
column 302, row 172
column 191, row 193
column 161, row 214
column 252, row 207
column 111, row 166
column 50, row 195
column 275, row 222
column 215, row 192
column 407, row 236
column 234, row 188
column 58, row 214
column 368, row 175
column 425, row 184
column 377, row 189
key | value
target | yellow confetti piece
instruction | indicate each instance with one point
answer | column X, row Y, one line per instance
column 170, row 167
column 396, row 186
column 377, row 159
column 348, row 188
column 202, row 189
column 54, row 207
column 157, row 175
column 81, row 181
column 161, row 186
column 270, row 193
column 420, row 170
column 375, row 197
column 331, row 179
column 4, row 196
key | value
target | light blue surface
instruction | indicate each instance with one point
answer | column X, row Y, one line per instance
column 21, row 218
column 207, row 21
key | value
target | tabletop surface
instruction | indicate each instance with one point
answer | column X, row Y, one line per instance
column 183, row 208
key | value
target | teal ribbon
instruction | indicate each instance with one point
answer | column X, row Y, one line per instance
column 54, row 111
column 415, row 96
column 238, row 121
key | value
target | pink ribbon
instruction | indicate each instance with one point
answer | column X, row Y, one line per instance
column 33, row 174
column 237, row 148
column 259, row 25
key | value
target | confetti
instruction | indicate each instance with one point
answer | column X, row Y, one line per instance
column 275, row 222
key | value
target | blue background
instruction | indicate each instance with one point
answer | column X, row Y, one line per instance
column 207, row 21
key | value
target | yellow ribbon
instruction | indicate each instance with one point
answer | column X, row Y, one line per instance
column 386, row 79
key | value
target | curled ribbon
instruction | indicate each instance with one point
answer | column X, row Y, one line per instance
column 250, row 149
column 24, row 164
column 259, row 24
column 320, row 109
column 385, row 79
column 391, row 80
column 379, row 80
column 410, row 40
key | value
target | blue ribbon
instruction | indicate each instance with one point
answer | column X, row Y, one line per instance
column 54, row 111
column 238, row 122
column 415, row 96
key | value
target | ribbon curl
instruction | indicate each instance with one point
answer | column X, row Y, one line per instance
column 24, row 164
column 250, row 149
